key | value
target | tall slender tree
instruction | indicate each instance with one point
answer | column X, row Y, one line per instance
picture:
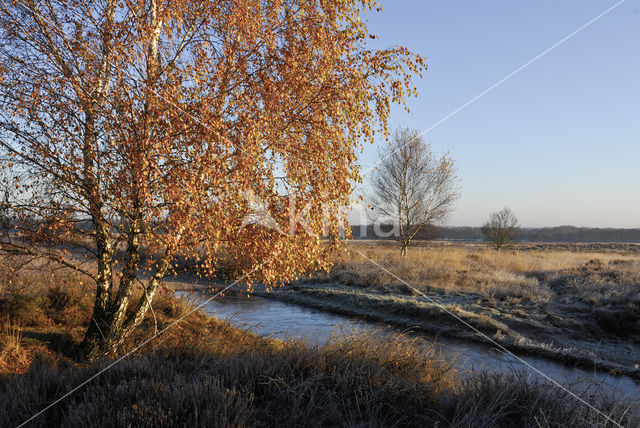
column 135, row 128
column 412, row 188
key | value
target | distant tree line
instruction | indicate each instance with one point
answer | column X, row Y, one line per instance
column 543, row 234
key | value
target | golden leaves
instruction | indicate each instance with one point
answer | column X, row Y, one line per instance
column 169, row 129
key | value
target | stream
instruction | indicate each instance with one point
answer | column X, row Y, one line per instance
column 282, row 320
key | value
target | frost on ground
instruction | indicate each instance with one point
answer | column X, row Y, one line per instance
column 579, row 304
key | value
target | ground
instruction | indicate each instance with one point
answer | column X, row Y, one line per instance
column 576, row 303
column 203, row 372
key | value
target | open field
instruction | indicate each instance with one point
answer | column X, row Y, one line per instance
column 527, row 271
column 578, row 303
column 203, row 372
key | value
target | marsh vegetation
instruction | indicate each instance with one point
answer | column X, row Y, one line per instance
column 577, row 303
column 204, row 372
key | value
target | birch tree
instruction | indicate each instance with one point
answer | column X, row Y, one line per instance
column 132, row 130
column 412, row 187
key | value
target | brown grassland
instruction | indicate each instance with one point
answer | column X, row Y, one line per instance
column 526, row 271
column 203, row 372
column 574, row 302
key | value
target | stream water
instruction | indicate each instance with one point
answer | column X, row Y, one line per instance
column 272, row 318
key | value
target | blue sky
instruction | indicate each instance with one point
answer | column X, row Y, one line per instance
column 559, row 143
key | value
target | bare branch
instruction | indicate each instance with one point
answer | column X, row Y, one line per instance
column 412, row 188
column 502, row 229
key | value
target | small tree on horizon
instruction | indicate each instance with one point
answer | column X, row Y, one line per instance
column 502, row 229
column 412, row 188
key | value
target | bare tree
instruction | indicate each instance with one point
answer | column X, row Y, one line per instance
column 502, row 229
column 412, row 187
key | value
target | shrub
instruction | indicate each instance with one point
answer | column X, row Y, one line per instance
column 66, row 305
column 23, row 308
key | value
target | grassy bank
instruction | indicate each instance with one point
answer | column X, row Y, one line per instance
column 203, row 372
column 578, row 303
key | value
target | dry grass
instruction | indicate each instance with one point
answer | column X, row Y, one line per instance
column 525, row 273
column 352, row 381
column 203, row 372
column 51, row 313
column 579, row 302
column 13, row 354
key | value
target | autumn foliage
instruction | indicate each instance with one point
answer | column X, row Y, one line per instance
column 140, row 126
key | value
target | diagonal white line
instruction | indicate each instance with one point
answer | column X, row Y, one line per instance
column 502, row 348
column 498, row 83
column 262, row 264
column 145, row 342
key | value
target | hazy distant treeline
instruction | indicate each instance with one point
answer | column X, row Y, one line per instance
column 543, row 234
